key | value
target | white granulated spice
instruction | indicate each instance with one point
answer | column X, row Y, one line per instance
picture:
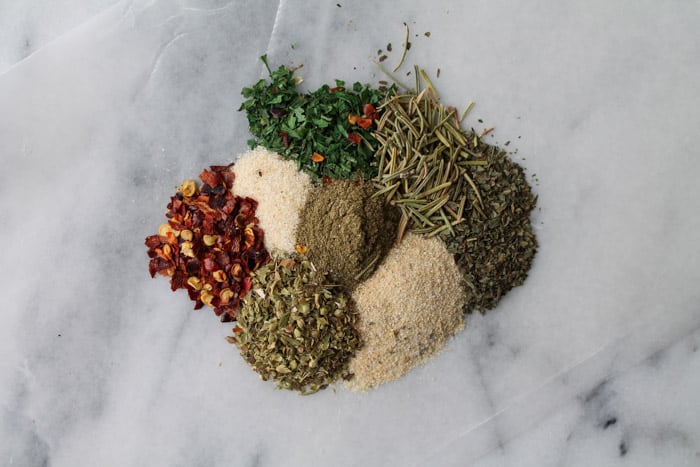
column 280, row 190
column 407, row 310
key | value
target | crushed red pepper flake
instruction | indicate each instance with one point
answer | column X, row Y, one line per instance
column 355, row 138
column 369, row 115
column 369, row 111
column 364, row 123
column 211, row 244
column 285, row 138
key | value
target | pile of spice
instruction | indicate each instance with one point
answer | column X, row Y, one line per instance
column 327, row 131
column 280, row 190
column 448, row 182
column 388, row 222
column 407, row 310
column 424, row 161
column 346, row 231
column 496, row 245
column 295, row 328
column 211, row 243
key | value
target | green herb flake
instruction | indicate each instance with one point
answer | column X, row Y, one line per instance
column 297, row 125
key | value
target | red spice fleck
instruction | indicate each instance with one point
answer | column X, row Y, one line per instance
column 215, row 246
column 369, row 111
column 364, row 123
column 355, row 138
column 210, row 178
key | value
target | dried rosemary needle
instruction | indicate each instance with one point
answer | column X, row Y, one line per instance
column 447, row 182
column 423, row 161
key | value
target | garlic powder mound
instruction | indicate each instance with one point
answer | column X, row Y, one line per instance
column 407, row 310
column 280, row 190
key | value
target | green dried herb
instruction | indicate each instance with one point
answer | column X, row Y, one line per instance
column 346, row 230
column 298, row 125
column 496, row 245
column 448, row 182
column 424, row 159
column 295, row 329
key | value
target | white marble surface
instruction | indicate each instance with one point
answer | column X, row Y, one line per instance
column 28, row 25
column 593, row 362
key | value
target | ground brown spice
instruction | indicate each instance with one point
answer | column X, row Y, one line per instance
column 345, row 231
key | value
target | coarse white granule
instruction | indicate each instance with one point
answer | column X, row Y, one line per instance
column 280, row 190
column 407, row 310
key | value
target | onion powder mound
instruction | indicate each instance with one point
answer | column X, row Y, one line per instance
column 407, row 310
column 280, row 190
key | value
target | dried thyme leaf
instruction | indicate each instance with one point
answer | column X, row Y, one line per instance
column 295, row 329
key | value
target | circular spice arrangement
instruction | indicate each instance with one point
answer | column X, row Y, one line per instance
column 388, row 224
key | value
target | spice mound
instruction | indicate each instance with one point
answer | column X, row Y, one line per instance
column 346, row 231
column 495, row 246
column 280, row 190
column 295, row 329
column 454, row 185
column 407, row 310
column 389, row 223
column 326, row 132
column 211, row 243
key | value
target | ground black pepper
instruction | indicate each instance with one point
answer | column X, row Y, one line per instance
column 346, row 230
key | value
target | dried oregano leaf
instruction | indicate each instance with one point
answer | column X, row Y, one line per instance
column 295, row 329
column 496, row 245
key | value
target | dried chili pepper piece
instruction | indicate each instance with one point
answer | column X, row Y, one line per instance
column 364, row 123
column 355, row 138
column 370, row 112
column 153, row 241
column 285, row 138
column 210, row 178
column 211, row 244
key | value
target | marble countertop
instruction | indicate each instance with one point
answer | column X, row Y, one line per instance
column 106, row 106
